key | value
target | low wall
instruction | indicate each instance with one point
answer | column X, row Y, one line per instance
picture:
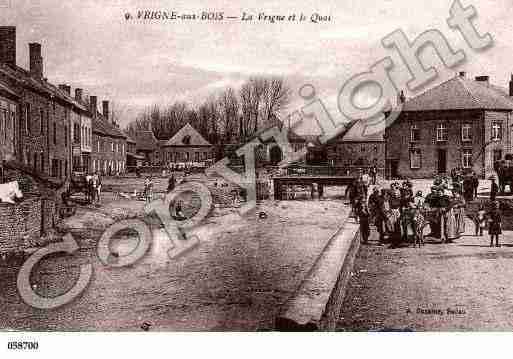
column 316, row 304
column 20, row 224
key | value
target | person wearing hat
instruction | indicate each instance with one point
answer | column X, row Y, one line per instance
column 495, row 224
column 494, row 189
column 376, row 210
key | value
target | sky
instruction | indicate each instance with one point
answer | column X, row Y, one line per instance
column 135, row 63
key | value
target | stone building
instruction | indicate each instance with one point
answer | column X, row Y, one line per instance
column 147, row 146
column 461, row 123
column 8, row 114
column 42, row 118
column 187, row 145
column 108, row 141
column 132, row 159
column 357, row 148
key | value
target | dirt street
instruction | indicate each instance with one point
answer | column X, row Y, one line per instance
column 236, row 279
column 465, row 285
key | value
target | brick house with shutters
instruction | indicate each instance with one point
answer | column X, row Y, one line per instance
column 462, row 123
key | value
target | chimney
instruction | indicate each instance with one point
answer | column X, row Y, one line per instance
column 78, row 94
column 463, row 74
column 65, row 88
column 485, row 79
column 36, row 60
column 93, row 102
column 105, row 106
column 8, row 45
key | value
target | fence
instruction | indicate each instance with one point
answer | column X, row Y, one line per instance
column 304, row 170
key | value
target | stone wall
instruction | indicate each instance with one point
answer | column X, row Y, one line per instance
column 20, row 224
column 316, row 304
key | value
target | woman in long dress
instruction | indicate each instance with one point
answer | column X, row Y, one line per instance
column 455, row 218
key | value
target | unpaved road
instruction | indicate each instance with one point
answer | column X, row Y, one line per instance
column 465, row 285
column 236, row 279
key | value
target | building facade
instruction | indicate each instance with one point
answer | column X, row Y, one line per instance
column 187, row 145
column 461, row 123
column 43, row 114
column 108, row 155
column 147, row 147
column 8, row 120
column 357, row 148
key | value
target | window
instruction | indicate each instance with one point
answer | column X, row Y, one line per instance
column 55, row 134
column 362, row 148
column 466, row 158
column 196, row 156
column 466, row 132
column 13, row 126
column 41, row 119
column 414, row 133
column 112, row 146
column 76, row 133
column 496, row 131
column 65, row 136
column 98, row 143
column 2, row 122
column 27, row 118
column 415, row 158
column 441, row 132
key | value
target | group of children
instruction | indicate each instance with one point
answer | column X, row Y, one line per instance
column 492, row 219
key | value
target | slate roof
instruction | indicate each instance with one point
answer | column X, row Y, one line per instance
column 360, row 131
column 23, row 78
column 106, row 128
column 8, row 90
column 195, row 139
column 146, row 141
column 460, row 93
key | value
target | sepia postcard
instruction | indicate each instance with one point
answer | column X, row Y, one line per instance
column 255, row 166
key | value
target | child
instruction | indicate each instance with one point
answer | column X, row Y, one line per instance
column 364, row 218
column 480, row 221
column 495, row 226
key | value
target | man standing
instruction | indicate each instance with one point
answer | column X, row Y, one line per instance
column 373, row 174
column 171, row 183
column 475, row 183
column 366, row 181
column 376, row 210
column 493, row 190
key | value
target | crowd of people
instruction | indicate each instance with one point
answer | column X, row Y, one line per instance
column 399, row 214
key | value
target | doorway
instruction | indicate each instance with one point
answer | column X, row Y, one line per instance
column 394, row 169
column 442, row 161
column 275, row 155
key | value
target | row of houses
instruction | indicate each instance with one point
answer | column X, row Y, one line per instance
column 461, row 123
column 46, row 126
